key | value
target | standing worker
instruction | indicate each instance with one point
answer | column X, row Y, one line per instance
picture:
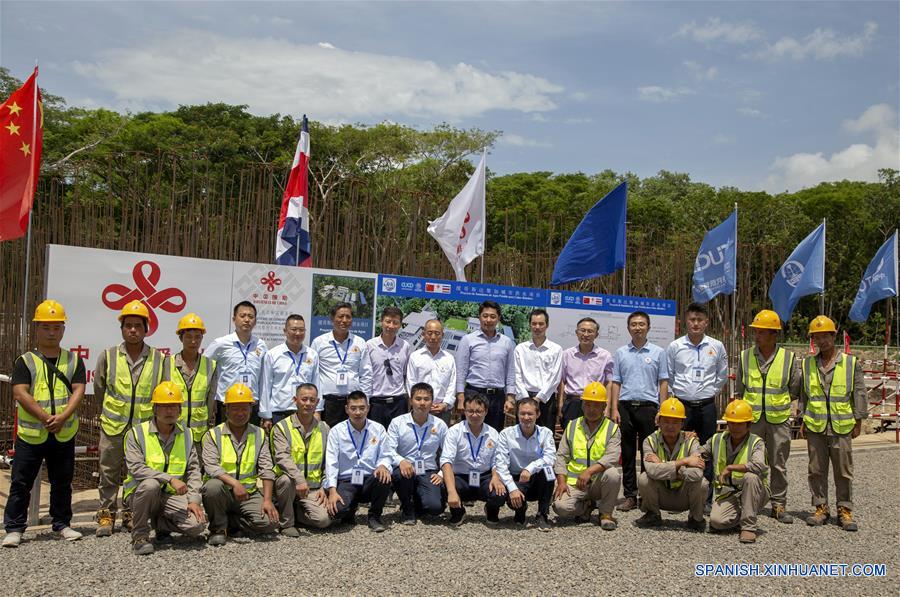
column 48, row 384
column 195, row 375
column 768, row 378
column 124, row 380
column 833, row 403
column 163, row 482
column 285, row 368
column 388, row 355
column 582, row 364
column 539, row 369
column 435, row 366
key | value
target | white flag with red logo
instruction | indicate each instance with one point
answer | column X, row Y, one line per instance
column 460, row 231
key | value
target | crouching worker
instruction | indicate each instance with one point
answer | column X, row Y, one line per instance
column 235, row 456
column 163, row 483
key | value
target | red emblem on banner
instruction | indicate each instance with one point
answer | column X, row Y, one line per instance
column 271, row 282
column 116, row 296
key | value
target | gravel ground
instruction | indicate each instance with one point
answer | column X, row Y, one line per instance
column 475, row 559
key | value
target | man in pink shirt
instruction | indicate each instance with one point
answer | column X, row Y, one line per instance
column 581, row 365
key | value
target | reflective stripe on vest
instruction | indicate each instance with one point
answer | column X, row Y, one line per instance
column 658, row 445
column 834, row 406
column 581, row 457
column 51, row 400
column 769, row 392
column 174, row 463
column 241, row 468
column 195, row 410
column 720, row 443
column 310, row 457
column 123, row 403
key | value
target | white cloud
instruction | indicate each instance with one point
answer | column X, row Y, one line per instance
column 276, row 75
column 821, row 44
column 716, row 29
column 859, row 161
column 655, row 93
column 700, row 72
column 722, row 139
column 751, row 112
column 520, row 141
column 325, row 45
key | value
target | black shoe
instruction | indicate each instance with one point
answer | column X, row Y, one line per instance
column 375, row 525
column 519, row 517
column 457, row 516
column 542, row 524
column 408, row 519
column 492, row 518
column 163, row 537
column 696, row 525
column 650, row 519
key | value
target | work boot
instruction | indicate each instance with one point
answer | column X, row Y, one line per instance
column 290, row 532
column 780, row 515
column 846, row 519
column 607, row 523
column 819, row 517
column 650, row 519
column 163, row 537
column 142, row 547
column 106, row 520
column 216, row 539
column 629, row 504
column 748, row 537
column 127, row 523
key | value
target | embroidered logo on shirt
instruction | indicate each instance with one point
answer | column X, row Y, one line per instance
column 434, row 430
column 711, row 352
column 490, row 444
column 374, row 440
column 354, row 349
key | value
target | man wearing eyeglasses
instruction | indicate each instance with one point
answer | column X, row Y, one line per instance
column 387, row 355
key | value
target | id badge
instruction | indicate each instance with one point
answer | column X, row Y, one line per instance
column 420, row 466
column 474, row 479
column 343, row 378
column 245, row 377
column 698, row 373
column 548, row 472
column 357, row 477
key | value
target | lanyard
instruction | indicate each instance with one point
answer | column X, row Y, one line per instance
column 244, row 353
column 421, row 442
column 338, row 352
column 297, row 363
column 362, row 445
column 472, row 450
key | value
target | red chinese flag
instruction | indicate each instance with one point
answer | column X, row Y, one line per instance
column 21, row 139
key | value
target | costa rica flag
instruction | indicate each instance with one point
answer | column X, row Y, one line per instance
column 292, row 245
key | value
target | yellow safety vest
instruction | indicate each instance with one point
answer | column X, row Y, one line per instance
column 195, row 411
column 581, row 458
column 52, row 400
column 243, row 468
column 720, row 443
column 174, row 463
column 658, row 445
column 123, row 402
column 309, row 456
column 769, row 392
column 834, row 406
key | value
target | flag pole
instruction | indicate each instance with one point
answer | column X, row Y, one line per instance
column 26, row 280
column 484, row 215
column 734, row 339
column 625, row 266
column 822, row 294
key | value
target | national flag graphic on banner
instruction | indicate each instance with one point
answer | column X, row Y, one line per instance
column 592, row 300
column 434, row 287
column 292, row 245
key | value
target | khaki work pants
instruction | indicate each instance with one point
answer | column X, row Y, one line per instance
column 604, row 489
column 741, row 508
column 222, row 509
column 836, row 449
column 655, row 496
column 163, row 511
column 778, row 447
column 112, row 469
column 292, row 509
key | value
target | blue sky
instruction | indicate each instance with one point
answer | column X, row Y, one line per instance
column 760, row 95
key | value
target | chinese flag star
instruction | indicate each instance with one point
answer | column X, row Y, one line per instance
column 21, row 141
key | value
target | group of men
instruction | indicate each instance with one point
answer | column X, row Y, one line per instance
column 243, row 439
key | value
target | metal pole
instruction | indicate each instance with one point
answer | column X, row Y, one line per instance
column 625, row 267
column 734, row 339
column 822, row 294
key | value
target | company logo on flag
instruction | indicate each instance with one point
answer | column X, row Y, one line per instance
column 878, row 282
column 292, row 244
column 715, row 263
column 435, row 287
column 802, row 273
column 592, row 300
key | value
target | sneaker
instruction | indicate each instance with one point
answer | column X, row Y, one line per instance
column 216, row 539
column 408, row 519
column 142, row 547
column 780, row 515
column 69, row 534
column 747, row 537
column 542, row 524
column 106, row 520
column 457, row 517
column 375, row 525
column 846, row 519
column 629, row 504
column 12, row 539
column 607, row 523
column 650, row 519
column 127, row 523
column 290, row 532
column 696, row 525
column 819, row 517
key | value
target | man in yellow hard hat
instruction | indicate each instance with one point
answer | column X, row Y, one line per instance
column 236, row 456
column 768, row 377
column 833, row 403
column 740, row 473
column 586, row 462
column 673, row 477
column 163, row 482
column 195, row 375
column 124, row 379
column 48, row 385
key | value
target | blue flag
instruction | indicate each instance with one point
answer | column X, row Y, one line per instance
column 879, row 281
column 597, row 247
column 803, row 273
column 714, row 268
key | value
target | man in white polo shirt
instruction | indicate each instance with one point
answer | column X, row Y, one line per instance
column 539, row 368
column 284, row 369
column 387, row 356
column 435, row 366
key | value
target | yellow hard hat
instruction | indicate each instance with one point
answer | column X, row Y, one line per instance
column 136, row 308
column 594, row 392
column 738, row 411
column 766, row 320
column 821, row 324
column 191, row 321
column 49, row 311
column 167, row 392
column 672, row 408
column 239, row 394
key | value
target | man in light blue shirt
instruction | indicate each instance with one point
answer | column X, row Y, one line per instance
column 485, row 365
column 525, row 458
column 467, row 462
column 410, row 455
column 352, row 452
column 343, row 367
column 284, row 369
column 238, row 357
column 698, row 369
column 387, row 356
column 640, row 382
